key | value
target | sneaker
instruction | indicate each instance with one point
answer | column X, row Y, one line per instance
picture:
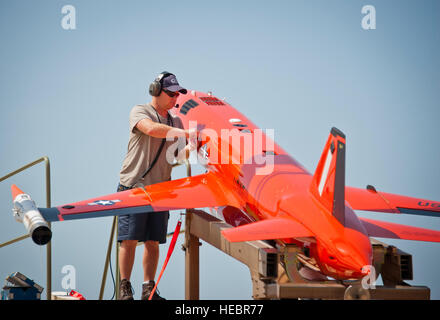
column 146, row 291
column 125, row 291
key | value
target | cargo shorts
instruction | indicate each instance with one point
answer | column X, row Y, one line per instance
column 143, row 226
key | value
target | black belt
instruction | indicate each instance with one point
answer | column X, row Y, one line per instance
column 121, row 187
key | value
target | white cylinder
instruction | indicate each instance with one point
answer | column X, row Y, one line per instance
column 27, row 212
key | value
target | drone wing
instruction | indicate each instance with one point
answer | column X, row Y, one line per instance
column 372, row 200
column 382, row 229
column 200, row 191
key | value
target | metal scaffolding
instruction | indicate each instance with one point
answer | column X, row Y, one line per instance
column 48, row 205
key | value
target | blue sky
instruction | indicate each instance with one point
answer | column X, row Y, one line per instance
column 298, row 67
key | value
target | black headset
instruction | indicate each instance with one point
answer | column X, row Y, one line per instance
column 156, row 85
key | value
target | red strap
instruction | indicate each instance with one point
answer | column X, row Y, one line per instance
column 170, row 251
column 75, row 294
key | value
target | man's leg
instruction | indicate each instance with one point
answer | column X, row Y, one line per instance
column 150, row 259
column 157, row 233
column 127, row 252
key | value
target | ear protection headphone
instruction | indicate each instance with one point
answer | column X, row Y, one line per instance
column 156, row 85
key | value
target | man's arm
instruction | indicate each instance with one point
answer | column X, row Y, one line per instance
column 159, row 130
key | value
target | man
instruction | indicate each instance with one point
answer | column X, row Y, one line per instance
column 146, row 164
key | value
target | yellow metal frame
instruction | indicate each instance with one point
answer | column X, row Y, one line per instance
column 48, row 205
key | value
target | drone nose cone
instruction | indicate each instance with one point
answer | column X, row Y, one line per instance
column 359, row 264
column 361, row 268
column 366, row 270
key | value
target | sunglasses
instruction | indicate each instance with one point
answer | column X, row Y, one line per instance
column 170, row 93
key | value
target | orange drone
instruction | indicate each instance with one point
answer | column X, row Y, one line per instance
column 261, row 191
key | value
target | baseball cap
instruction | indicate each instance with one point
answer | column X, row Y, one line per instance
column 170, row 83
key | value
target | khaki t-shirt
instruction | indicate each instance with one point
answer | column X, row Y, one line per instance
column 142, row 149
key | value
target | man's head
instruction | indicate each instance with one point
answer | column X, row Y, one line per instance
column 165, row 89
column 165, row 81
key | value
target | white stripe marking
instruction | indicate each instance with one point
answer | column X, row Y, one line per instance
column 324, row 174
